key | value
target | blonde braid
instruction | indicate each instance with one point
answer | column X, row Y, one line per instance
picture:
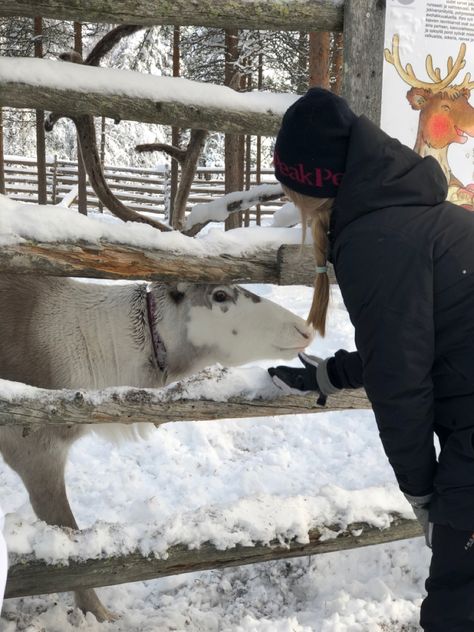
column 318, row 212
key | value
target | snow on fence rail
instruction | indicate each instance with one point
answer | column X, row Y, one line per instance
column 55, row 241
column 194, row 399
column 129, row 95
column 30, row 576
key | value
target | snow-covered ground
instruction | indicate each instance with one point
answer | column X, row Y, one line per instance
column 259, row 471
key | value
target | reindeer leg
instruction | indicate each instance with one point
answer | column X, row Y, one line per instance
column 40, row 459
column 88, row 601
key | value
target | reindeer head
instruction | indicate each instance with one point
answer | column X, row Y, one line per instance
column 202, row 324
column 446, row 115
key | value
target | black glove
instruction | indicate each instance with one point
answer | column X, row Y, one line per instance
column 313, row 377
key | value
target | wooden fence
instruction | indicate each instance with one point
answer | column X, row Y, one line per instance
column 28, row 575
column 140, row 188
column 363, row 46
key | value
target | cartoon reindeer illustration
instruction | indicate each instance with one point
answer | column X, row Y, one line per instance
column 446, row 116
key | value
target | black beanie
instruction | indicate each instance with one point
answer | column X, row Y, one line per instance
column 311, row 146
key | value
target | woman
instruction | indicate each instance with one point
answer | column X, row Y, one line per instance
column 404, row 261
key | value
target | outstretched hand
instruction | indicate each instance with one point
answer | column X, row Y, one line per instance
column 294, row 380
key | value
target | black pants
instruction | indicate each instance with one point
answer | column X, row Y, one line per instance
column 449, row 606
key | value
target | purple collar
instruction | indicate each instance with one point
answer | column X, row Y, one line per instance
column 159, row 349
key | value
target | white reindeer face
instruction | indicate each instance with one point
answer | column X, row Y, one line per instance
column 206, row 324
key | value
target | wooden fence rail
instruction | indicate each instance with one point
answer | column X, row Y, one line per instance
column 142, row 189
column 288, row 265
column 62, row 408
column 304, row 15
column 28, row 576
column 84, row 92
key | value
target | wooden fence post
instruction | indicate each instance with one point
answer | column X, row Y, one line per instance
column 337, row 62
column 247, row 85
column 319, row 45
column 363, row 56
column 175, row 133
column 102, row 153
column 81, row 171
column 40, row 135
column 233, row 142
column 258, row 161
column 54, row 185
column 2, row 156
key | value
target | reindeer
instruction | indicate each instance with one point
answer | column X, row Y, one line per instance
column 446, row 116
column 63, row 333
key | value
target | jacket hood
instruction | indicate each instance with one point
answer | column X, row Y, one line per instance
column 381, row 172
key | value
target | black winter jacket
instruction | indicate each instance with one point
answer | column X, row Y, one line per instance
column 404, row 261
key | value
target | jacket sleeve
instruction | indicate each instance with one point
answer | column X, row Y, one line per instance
column 345, row 369
column 387, row 286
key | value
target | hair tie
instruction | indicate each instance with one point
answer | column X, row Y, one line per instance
column 321, row 269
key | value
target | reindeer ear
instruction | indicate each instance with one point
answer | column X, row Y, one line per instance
column 418, row 97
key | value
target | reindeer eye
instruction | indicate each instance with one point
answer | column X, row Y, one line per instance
column 220, row 296
column 446, row 108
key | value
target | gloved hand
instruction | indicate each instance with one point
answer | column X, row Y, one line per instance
column 420, row 505
column 312, row 377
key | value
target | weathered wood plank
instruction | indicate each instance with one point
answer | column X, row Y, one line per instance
column 297, row 266
column 364, row 22
column 281, row 15
column 65, row 407
column 289, row 265
column 147, row 98
column 33, row 577
column 144, row 110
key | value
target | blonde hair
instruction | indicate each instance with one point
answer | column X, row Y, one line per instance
column 317, row 211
